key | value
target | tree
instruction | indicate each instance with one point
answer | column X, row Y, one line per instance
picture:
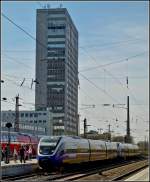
column 118, row 139
column 144, row 146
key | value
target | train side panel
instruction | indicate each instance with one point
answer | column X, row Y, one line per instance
column 76, row 151
column 98, row 150
column 111, row 149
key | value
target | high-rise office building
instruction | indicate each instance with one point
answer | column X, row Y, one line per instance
column 57, row 69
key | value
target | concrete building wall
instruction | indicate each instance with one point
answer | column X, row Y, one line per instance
column 41, row 64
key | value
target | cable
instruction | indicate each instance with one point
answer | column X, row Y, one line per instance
column 44, row 45
column 102, row 90
column 17, row 77
column 110, row 43
column 13, row 82
column 117, row 80
column 18, row 62
column 12, row 103
column 123, row 77
column 32, row 37
column 111, row 63
column 18, row 51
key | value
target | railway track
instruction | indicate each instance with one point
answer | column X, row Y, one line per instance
column 112, row 173
column 71, row 175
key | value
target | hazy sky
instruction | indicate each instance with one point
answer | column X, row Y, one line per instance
column 109, row 32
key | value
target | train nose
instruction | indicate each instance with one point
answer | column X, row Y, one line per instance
column 45, row 163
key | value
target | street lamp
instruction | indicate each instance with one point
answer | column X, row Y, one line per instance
column 8, row 125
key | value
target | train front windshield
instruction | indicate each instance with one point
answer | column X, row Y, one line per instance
column 48, row 145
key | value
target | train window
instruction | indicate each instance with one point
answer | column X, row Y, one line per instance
column 46, row 150
column 48, row 145
column 50, row 140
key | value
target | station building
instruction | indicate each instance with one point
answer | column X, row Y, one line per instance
column 30, row 122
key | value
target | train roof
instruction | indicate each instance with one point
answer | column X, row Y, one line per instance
column 18, row 133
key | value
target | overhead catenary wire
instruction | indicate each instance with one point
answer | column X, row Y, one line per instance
column 112, row 63
column 23, row 30
column 37, row 41
column 12, row 59
column 99, row 88
column 6, row 101
column 80, row 47
column 18, row 84
column 112, row 43
column 27, row 33
column 109, row 73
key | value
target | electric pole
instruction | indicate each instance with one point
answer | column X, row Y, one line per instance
column 16, row 126
column 109, row 132
column 128, row 120
column 85, row 127
column 128, row 137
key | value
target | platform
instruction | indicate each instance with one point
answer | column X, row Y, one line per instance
column 18, row 168
column 33, row 161
column 140, row 176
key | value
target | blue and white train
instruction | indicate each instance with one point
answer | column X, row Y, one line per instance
column 57, row 151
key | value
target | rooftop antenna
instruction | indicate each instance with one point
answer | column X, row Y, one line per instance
column 61, row 5
column 48, row 6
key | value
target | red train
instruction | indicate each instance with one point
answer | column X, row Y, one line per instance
column 18, row 139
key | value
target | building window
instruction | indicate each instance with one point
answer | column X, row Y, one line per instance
column 40, row 121
column 26, row 115
column 35, row 115
column 44, row 113
column 31, row 121
column 31, row 115
column 35, row 121
column 44, row 121
column 22, row 114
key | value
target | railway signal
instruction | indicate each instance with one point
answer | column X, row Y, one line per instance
column 16, row 126
column 8, row 125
